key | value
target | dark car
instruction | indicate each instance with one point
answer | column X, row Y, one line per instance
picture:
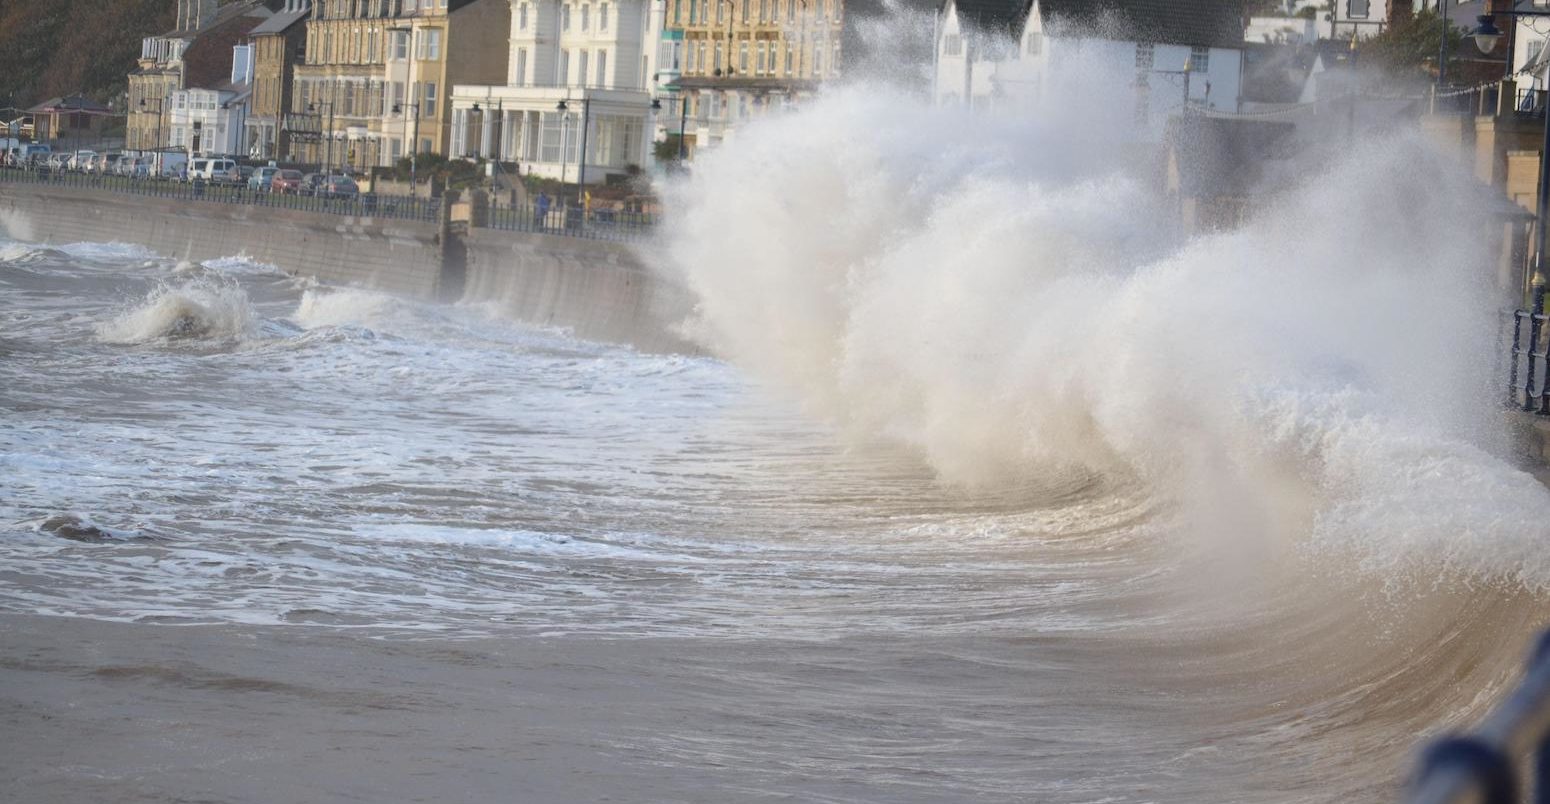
column 340, row 187
column 286, row 182
column 310, row 183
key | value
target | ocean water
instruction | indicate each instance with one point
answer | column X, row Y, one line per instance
column 990, row 488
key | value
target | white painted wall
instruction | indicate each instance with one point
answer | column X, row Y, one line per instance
column 996, row 74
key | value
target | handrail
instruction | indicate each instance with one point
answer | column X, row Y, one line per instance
column 1483, row 767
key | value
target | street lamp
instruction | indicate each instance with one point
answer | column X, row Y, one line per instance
column 155, row 138
column 414, row 143
column 1486, row 35
column 581, row 159
column 328, row 154
column 683, row 120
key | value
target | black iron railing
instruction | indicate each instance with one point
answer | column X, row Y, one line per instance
column 573, row 222
column 1487, row 766
column 358, row 205
column 594, row 224
column 1529, row 368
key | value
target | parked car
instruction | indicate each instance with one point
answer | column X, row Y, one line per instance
column 311, row 183
column 244, row 173
column 286, row 182
column 262, row 178
column 340, row 187
column 81, row 161
column 138, row 167
column 213, row 170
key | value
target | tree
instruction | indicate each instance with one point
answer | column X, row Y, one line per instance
column 1411, row 46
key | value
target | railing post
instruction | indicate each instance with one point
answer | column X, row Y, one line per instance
column 1533, row 345
column 1488, row 769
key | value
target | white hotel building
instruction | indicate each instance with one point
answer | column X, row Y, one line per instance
column 598, row 57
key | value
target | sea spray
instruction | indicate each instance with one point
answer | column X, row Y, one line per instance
column 208, row 307
column 1004, row 295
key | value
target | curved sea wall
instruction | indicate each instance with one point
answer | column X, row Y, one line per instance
column 597, row 290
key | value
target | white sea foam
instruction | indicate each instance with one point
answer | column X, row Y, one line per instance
column 332, row 307
column 204, row 308
column 1015, row 304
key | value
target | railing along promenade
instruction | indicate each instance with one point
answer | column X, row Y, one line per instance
column 1485, row 766
column 595, row 224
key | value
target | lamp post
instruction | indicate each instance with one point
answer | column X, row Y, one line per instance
column 581, row 158
column 155, row 138
column 683, row 118
column 1486, row 35
column 1442, row 44
column 328, row 154
column 414, row 144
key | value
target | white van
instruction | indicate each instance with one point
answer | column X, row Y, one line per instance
column 170, row 165
column 33, row 152
column 213, row 169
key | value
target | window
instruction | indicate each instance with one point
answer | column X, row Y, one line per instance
column 430, row 100
column 952, row 45
column 602, row 17
column 522, row 17
column 521, row 75
column 551, row 134
column 763, row 65
column 565, row 17
column 602, row 68
column 719, row 57
column 586, row 19
column 430, row 45
column 1199, row 59
column 678, row 8
column 1146, row 56
column 745, row 10
column 564, row 68
column 1357, row 9
column 690, row 62
column 371, row 47
column 581, row 72
column 400, row 45
column 742, row 57
column 791, row 11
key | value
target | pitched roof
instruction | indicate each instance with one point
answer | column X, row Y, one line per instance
column 279, row 22
column 1212, row 23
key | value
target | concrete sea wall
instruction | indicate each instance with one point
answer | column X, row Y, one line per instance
column 597, row 290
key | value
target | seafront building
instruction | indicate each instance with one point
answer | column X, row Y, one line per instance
column 374, row 81
column 596, row 58
column 197, row 54
column 279, row 44
column 736, row 59
column 210, row 120
column 1158, row 57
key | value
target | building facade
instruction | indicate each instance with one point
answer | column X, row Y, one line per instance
column 590, row 55
column 69, row 120
column 196, row 54
column 212, row 120
column 375, row 80
column 737, row 59
column 279, row 44
column 1160, row 56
